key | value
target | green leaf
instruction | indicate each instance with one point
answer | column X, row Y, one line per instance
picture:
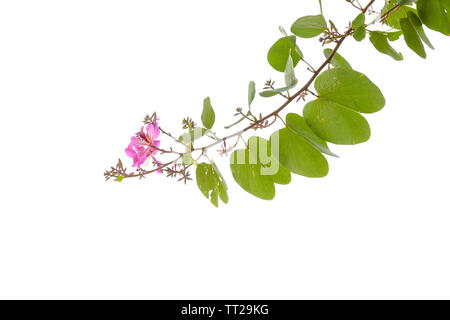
column 256, row 170
column 187, row 158
column 379, row 41
column 351, row 89
column 289, row 77
column 337, row 61
column 283, row 32
column 279, row 53
column 394, row 36
column 309, row 26
column 249, row 176
column 192, row 135
column 335, row 123
column 359, row 21
column 433, row 14
column 211, row 183
column 208, row 115
column 360, row 33
column 417, row 24
column 282, row 177
column 359, row 26
column 214, row 198
column 251, row 92
column 298, row 124
column 405, row 2
column 269, row 93
column 394, row 18
column 289, row 74
column 412, row 38
column 446, row 5
column 343, row 93
column 297, row 155
column 223, row 194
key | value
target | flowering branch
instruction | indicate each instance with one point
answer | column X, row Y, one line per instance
column 363, row 97
column 256, row 123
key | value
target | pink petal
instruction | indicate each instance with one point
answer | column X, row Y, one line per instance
column 135, row 141
column 156, row 144
column 130, row 151
column 140, row 159
column 153, row 130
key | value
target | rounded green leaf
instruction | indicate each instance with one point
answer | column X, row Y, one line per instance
column 433, row 14
column 298, row 124
column 309, row 26
column 283, row 176
column 279, row 53
column 351, row 89
column 360, row 33
column 261, row 150
column 208, row 115
column 337, row 61
column 297, row 155
column 256, row 170
column 335, row 123
column 379, row 41
column 359, row 21
column 249, row 177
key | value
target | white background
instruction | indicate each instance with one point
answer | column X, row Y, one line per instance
column 76, row 79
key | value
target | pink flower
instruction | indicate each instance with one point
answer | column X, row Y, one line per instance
column 159, row 165
column 144, row 145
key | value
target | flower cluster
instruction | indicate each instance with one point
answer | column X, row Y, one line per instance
column 144, row 145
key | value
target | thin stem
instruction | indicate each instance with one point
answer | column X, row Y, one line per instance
column 170, row 135
column 312, row 92
column 390, row 12
column 166, row 151
column 359, row 7
column 281, row 119
column 135, row 175
column 309, row 65
column 235, row 123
